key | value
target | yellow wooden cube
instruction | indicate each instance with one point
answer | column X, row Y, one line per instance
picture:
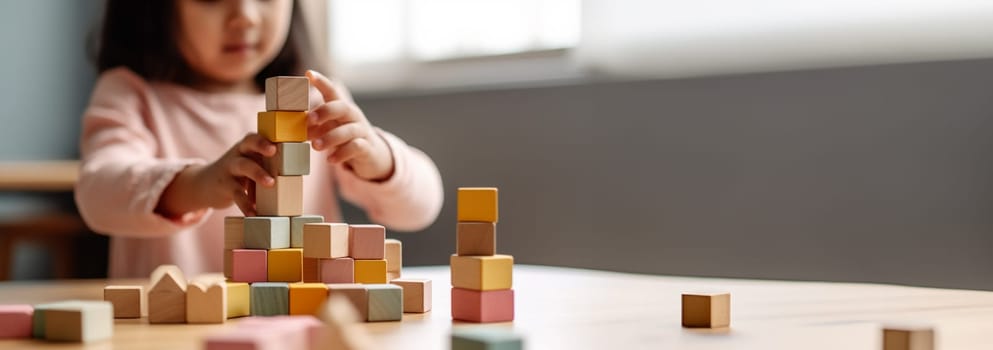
column 306, row 298
column 477, row 204
column 370, row 271
column 482, row 272
column 283, row 126
column 285, row 265
column 238, row 299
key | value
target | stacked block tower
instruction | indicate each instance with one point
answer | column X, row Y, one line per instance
column 481, row 279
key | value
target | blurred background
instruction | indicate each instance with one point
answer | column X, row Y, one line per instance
column 843, row 140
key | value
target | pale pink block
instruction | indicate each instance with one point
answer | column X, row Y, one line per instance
column 16, row 321
column 246, row 339
column 249, row 265
column 296, row 328
column 337, row 270
column 367, row 242
column 483, row 306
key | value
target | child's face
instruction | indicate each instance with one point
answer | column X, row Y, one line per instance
column 230, row 41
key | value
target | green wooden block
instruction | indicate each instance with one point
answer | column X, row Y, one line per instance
column 486, row 338
column 38, row 318
column 266, row 232
column 270, row 298
column 291, row 159
column 385, row 302
column 296, row 228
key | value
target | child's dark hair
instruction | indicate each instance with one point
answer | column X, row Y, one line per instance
column 139, row 35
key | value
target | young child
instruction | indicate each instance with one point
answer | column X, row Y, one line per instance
column 169, row 145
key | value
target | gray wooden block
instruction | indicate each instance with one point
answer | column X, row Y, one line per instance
column 270, row 298
column 486, row 338
column 80, row 321
column 291, row 159
column 296, row 228
column 267, row 232
column 385, row 302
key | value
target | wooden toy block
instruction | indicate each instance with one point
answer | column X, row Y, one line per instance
column 267, row 232
column 296, row 228
column 488, row 338
column 325, row 240
column 367, row 242
column 239, row 299
column 311, row 270
column 283, row 199
column 16, row 321
column 908, row 337
column 394, row 255
column 283, row 126
column 416, row 294
column 286, row 93
column 126, row 300
column 80, row 321
column 244, row 339
column 706, row 310
column 475, row 238
column 270, row 298
column 296, row 332
column 356, row 295
column 38, row 318
column 340, row 270
column 385, row 302
column 167, row 297
column 207, row 300
column 392, row 275
column 477, row 204
column 370, row 271
column 228, row 262
column 482, row 272
column 234, row 232
column 291, row 159
column 286, row 265
column 306, row 298
column 249, row 265
column 483, row 306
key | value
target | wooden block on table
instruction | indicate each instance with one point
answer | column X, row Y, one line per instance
column 311, row 270
column 908, row 337
column 354, row 293
column 340, row 270
column 283, row 126
column 239, row 299
column 296, row 228
column 392, row 275
column 80, row 321
column 244, row 339
column 16, row 321
column 483, row 306
column 263, row 232
column 306, row 298
column 385, row 302
column 207, row 300
column 706, row 310
column 270, row 298
column 291, row 159
column 366, row 242
column 477, row 204
column 475, row 238
column 482, row 272
column 249, row 265
column 285, row 198
column 370, row 271
column 167, row 296
column 38, row 318
column 296, row 332
column 228, row 262
column 393, row 251
column 416, row 294
column 287, row 93
column 325, row 240
column 485, row 338
column 286, row 265
column 126, row 300
column 234, row 232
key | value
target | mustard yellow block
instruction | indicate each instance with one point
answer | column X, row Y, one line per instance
column 370, row 271
column 283, row 126
column 482, row 272
column 306, row 298
column 477, row 204
column 239, row 299
column 285, row 265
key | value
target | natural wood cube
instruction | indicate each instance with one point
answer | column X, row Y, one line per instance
column 394, row 255
column 475, row 238
column 416, row 294
column 311, row 270
column 356, row 295
column 385, row 302
column 367, row 242
column 908, row 337
column 477, row 204
column 287, row 93
column 207, row 300
column 483, row 306
column 370, row 271
column 234, row 232
column 706, row 310
column 482, row 272
column 38, row 318
column 306, row 298
column 285, row 198
column 239, row 299
column 285, row 265
column 291, row 159
column 270, row 298
column 126, row 300
column 167, row 296
column 80, row 321
column 296, row 228
column 263, row 232
column 282, row 126
column 325, row 240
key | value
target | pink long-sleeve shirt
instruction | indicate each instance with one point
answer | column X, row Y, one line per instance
column 137, row 135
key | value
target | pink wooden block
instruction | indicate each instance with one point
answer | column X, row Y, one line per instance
column 340, row 270
column 367, row 242
column 298, row 327
column 483, row 306
column 16, row 321
column 249, row 265
column 246, row 339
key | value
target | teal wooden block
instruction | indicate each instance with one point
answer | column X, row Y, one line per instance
column 486, row 338
column 296, row 228
column 266, row 232
column 270, row 298
column 291, row 159
column 38, row 318
column 385, row 302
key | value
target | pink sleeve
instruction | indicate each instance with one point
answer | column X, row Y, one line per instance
column 409, row 200
column 122, row 177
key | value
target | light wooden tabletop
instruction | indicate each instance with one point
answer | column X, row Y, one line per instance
column 559, row 308
column 39, row 176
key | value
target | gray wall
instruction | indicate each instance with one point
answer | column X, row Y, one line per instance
column 858, row 174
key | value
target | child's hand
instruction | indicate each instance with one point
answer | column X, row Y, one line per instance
column 230, row 177
column 340, row 126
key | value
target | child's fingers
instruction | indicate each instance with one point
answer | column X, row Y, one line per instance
column 324, row 85
column 335, row 111
column 244, row 167
column 339, row 136
column 255, row 143
column 244, row 203
column 351, row 150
